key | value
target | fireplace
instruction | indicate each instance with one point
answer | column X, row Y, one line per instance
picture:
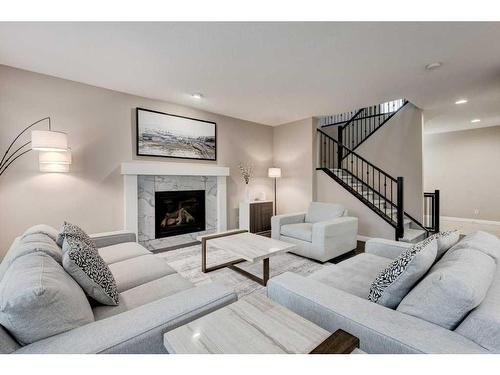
column 179, row 212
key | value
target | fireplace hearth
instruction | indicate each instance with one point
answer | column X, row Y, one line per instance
column 179, row 212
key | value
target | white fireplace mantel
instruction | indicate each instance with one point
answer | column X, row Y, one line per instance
column 130, row 170
column 172, row 169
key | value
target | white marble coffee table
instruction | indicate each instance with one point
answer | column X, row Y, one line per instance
column 254, row 324
column 247, row 246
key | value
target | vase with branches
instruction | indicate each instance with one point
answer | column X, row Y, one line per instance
column 246, row 172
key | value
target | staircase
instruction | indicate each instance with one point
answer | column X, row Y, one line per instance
column 375, row 188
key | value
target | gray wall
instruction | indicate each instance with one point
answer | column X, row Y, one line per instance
column 293, row 152
column 101, row 129
column 465, row 167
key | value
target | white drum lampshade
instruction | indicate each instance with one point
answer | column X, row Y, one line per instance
column 54, row 161
column 48, row 140
column 54, row 168
column 55, row 157
column 274, row 172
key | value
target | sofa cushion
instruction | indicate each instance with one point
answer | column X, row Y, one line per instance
column 139, row 270
column 31, row 243
column 122, row 251
column 34, row 242
column 454, row 286
column 320, row 211
column 395, row 281
column 7, row 343
column 481, row 241
column 354, row 275
column 143, row 294
column 85, row 265
column 39, row 299
column 301, row 231
column 72, row 230
column 482, row 325
column 42, row 229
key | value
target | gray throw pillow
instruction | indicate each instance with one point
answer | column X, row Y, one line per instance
column 39, row 299
column 454, row 286
column 72, row 230
column 445, row 240
column 85, row 265
column 395, row 281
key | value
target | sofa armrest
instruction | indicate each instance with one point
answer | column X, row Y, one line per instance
column 279, row 220
column 379, row 329
column 386, row 248
column 139, row 330
column 112, row 238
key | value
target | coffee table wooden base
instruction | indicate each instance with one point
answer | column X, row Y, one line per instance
column 265, row 272
column 339, row 342
column 232, row 264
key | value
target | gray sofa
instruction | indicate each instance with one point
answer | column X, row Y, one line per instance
column 335, row 297
column 153, row 298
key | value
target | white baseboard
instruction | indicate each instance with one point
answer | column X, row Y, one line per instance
column 470, row 220
column 363, row 238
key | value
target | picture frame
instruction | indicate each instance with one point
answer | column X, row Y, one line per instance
column 161, row 134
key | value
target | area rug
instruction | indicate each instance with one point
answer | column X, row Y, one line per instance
column 187, row 262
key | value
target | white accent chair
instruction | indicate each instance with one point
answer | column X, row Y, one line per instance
column 323, row 233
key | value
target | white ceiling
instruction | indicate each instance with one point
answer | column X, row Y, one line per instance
column 274, row 73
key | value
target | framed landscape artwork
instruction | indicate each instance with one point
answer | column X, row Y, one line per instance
column 165, row 135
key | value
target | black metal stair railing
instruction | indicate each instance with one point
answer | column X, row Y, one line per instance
column 431, row 211
column 356, row 129
column 370, row 184
column 377, row 189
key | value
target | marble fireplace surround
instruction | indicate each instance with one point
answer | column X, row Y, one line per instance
column 141, row 179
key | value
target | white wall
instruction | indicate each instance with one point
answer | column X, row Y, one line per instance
column 101, row 128
column 293, row 152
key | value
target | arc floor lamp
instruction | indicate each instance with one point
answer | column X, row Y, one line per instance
column 54, row 153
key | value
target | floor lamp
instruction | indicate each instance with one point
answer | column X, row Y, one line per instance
column 274, row 173
column 54, row 153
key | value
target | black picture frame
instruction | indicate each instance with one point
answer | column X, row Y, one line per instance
column 138, row 135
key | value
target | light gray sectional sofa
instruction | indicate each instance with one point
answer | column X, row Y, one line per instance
column 153, row 298
column 434, row 317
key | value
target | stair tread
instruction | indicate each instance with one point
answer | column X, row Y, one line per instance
column 412, row 234
column 368, row 193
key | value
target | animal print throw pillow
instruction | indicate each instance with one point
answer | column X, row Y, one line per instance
column 85, row 265
column 72, row 230
column 395, row 281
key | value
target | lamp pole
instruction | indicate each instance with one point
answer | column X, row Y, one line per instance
column 275, row 202
column 4, row 163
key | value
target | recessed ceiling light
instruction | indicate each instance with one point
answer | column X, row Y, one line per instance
column 475, row 120
column 197, row 95
column 461, row 101
column 433, row 65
